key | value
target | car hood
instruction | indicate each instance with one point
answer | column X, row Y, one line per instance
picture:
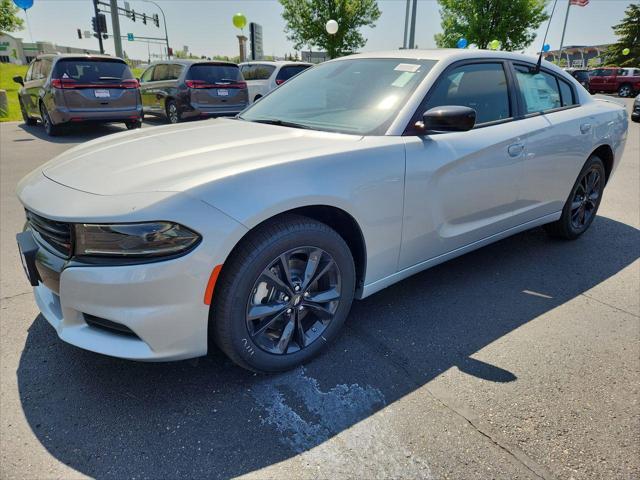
column 179, row 157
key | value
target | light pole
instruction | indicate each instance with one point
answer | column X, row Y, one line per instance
column 164, row 19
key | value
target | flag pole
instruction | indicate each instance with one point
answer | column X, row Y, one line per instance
column 564, row 29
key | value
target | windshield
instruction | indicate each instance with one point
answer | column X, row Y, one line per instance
column 358, row 96
column 92, row 70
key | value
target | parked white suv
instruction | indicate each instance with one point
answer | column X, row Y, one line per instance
column 262, row 77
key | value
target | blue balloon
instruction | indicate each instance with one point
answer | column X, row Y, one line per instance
column 462, row 43
column 546, row 47
column 23, row 4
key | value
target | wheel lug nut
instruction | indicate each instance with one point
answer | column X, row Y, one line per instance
column 289, row 311
column 286, row 299
column 297, row 288
column 306, row 294
column 301, row 307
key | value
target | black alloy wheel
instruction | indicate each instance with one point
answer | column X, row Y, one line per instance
column 582, row 205
column 294, row 300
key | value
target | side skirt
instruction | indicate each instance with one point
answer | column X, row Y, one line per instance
column 385, row 282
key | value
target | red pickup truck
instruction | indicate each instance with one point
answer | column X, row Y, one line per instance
column 624, row 81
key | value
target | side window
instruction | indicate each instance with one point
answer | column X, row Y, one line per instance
column 481, row 86
column 161, row 72
column 289, row 71
column 257, row 72
column 566, row 93
column 175, row 71
column 45, row 68
column 35, row 73
column 147, row 75
column 29, row 76
column 539, row 91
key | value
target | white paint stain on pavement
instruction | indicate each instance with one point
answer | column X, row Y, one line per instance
column 336, row 430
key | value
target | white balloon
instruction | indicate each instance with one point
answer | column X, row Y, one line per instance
column 332, row 27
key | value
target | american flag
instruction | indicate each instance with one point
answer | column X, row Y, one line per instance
column 579, row 3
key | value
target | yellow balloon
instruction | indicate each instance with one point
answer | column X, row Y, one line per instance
column 239, row 20
column 494, row 45
column 626, row 51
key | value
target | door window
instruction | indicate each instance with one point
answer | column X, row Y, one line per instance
column 481, row 86
column 257, row 72
column 540, row 91
column 175, row 71
column 161, row 72
column 566, row 94
column 29, row 76
column 147, row 75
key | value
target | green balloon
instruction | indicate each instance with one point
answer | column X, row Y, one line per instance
column 239, row 20
column 494, row 45
column 626, row 51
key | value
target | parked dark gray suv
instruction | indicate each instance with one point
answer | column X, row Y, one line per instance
column 64, row 89
column 182, row 89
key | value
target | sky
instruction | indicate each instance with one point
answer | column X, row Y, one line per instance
column 205, row 26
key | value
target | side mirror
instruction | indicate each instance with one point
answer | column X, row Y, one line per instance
column 448, row 118
column 18, row 79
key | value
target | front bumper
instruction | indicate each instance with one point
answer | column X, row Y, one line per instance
column 161, row 303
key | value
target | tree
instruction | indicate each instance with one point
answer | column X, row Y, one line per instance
column 306, row 20
column 628, row 33
column 512, row 22
column 9, row 20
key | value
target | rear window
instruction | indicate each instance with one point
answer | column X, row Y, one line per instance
column 581, row 76
column 289, row 71
column 257, row 72
column 211, row 73
column 92, row 70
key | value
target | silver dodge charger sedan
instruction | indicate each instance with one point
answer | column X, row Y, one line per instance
column 258, row 232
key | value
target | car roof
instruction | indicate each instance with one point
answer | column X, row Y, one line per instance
column 277, row 63
column 181, row 61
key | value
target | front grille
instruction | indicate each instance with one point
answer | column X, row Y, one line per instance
column 56, row 235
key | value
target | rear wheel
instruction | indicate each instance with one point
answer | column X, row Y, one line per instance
column 49, row 127
column 625, row 90
column 25, row 116
column 283, row 295
column 582, row 205
column 258, row 97
column 173, row 114
column 133, row 124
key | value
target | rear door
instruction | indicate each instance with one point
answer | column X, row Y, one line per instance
column 558, row 140
column 29, row 94
column 216, row 85
column 95, row 84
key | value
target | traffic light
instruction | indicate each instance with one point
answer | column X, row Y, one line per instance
column 144, row 18
column 102, row 23
column 133, row 15
column 94, row 24
column 156, row 20
column 79, row 34
column 170, row 51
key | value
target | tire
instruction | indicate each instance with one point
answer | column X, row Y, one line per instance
column 25, row 116
column 133, row 125
column 49, row 127
column 242, row 281
column 580, row 210
column 258, row 97
column 625, row 91
column 172, row 111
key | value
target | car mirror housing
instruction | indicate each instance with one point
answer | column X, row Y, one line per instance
column 448, row 118
column 18, row 79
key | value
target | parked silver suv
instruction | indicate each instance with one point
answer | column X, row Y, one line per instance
column 65, row 89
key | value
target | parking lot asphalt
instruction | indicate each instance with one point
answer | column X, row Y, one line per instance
column 519, row 360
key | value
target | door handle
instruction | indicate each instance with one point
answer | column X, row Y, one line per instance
column 585, row 128
column 515, row 149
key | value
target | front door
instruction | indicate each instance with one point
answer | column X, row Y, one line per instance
column 462, row 187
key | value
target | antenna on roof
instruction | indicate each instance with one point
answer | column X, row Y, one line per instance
column 544, row 41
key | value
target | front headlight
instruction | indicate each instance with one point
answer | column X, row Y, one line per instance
column 150, row 239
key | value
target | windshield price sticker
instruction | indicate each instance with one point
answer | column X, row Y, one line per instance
column 407, row 67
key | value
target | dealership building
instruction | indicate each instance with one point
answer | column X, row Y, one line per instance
column 578, row 56
column 14, row 50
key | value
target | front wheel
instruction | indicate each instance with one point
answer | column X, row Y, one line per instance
column 582, row 205
column 283, row 294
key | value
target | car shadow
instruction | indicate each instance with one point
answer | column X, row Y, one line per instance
column 74, row 133
column 206, row 418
